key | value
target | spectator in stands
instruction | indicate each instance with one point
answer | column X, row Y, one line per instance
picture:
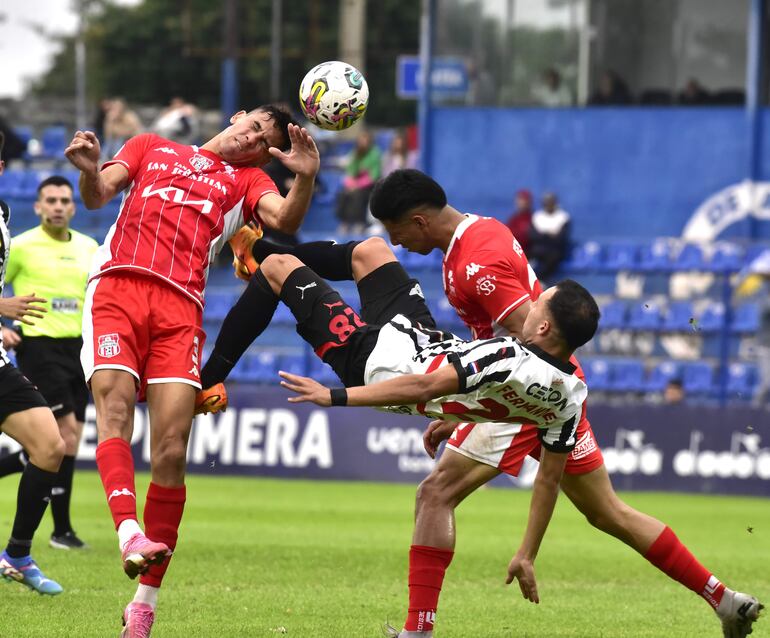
column 612, row 91
column 520, row 221
column 364, row 167
column 120, row 123
column 179, row 122
column 693, row 94
column 548, row 237
column 14, row 146
column 398, row 155
column 102, row 108
column 552, row 91
column 673, row 393
column 482, row 90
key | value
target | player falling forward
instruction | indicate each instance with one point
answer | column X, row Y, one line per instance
column 393, row 355
column 143, row 313
column 26, row 418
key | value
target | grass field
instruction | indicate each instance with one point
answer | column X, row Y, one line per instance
column 323, row 559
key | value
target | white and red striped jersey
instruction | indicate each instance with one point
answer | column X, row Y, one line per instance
column 500, row 380
column 181, row 205
column 487, row 275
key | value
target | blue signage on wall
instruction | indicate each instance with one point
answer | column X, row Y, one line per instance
column 449, row 77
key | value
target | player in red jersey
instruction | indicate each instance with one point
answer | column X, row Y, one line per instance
column 143, row 311
column 490, row 283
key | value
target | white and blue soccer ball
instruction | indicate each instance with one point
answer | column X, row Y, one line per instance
column 333, row 95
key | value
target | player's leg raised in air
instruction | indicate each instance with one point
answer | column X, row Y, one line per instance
column 36, row 430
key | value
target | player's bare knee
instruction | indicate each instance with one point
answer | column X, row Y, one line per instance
column 369, row 255
column 170, row 452
column 433, row 490
column 49, row 455
column 115, row 418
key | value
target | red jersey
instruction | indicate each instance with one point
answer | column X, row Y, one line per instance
column 487, row 275
column 181, row 205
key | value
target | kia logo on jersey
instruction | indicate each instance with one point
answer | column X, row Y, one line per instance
column 200, row 163
column 109, row 345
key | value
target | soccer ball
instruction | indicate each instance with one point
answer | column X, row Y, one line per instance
column 333, row 95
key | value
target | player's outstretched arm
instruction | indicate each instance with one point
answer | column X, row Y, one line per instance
column 406, row 389
column 22, row 308
column 544, row 495
column 96, row 187
column 303, row 159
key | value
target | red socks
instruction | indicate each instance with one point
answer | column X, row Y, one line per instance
column 162, row 516
column 671, row 557
column 427, row 566
column 116, row 469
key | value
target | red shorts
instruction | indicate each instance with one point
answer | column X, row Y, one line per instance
column 140, row 324
column 506, row 445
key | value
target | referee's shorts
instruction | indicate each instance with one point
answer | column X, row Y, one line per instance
column 17, row 394
column 53, row 365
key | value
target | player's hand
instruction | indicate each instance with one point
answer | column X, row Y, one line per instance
column 523, row 570
column 307, row 389
column 84, row 151
column 436, row 432
column 11, row 338
column 20, row 308
column 303, row 157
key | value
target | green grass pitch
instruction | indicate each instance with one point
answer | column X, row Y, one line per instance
column 309, row 559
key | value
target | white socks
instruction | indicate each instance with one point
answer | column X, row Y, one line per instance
column 126, row 530
column 147, row 594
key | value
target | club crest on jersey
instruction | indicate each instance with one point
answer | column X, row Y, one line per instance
column 201, row 163
column 471, row 269
column 109, row 345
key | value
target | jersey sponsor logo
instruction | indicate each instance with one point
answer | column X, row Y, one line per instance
column 201, row 163
column 166, row 149
column 109, row 345
column 157, row 166
column 302, row 289
column 471, row 269
column 486, row 285
column 417, row 291
column 121, row 492
column 177, row 195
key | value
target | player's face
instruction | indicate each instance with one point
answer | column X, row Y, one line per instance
column 247, row 139
column 409, row 232
column 538, row 321
column 55, row 207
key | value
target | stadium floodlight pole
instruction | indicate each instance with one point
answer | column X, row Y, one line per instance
column 424, row 115
column 229, row 81
column 275, row 51
column 755, row 45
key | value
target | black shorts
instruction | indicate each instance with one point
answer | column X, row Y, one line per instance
column 53, row 365
column 343, row 338
column 17, row 393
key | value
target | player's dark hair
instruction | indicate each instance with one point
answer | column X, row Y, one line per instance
column 282, row 118
column 54, row 180
column 2, row 143
column 402, row 191
column 575, row 312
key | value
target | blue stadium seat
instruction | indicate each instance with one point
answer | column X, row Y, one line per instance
column 741, row 380
column 384, row 138
column 258, row 367
column 597, row 373
column 283, row 315
column 330, row 184
column 587, row 256
column 713, row 318
column 54, row 141
column 621, row 256
column 661, row 374
column 746, row 318
column 697, row 378
column 679, row 317
column 727, row 257
column 321, row 371
column 613, row 315
column 627, row 376
column 13, row 184
column 655, row 256
column 645, row 316
column 443, row 313
column 218, row 304
column 295, row 363
column 690, row 257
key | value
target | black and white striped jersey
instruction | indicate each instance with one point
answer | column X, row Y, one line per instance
column 5, row 250
column 500, row 380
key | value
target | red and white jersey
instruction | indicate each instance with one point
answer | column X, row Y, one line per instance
column 487, row 275
column 181, row 205
column 500, row 380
